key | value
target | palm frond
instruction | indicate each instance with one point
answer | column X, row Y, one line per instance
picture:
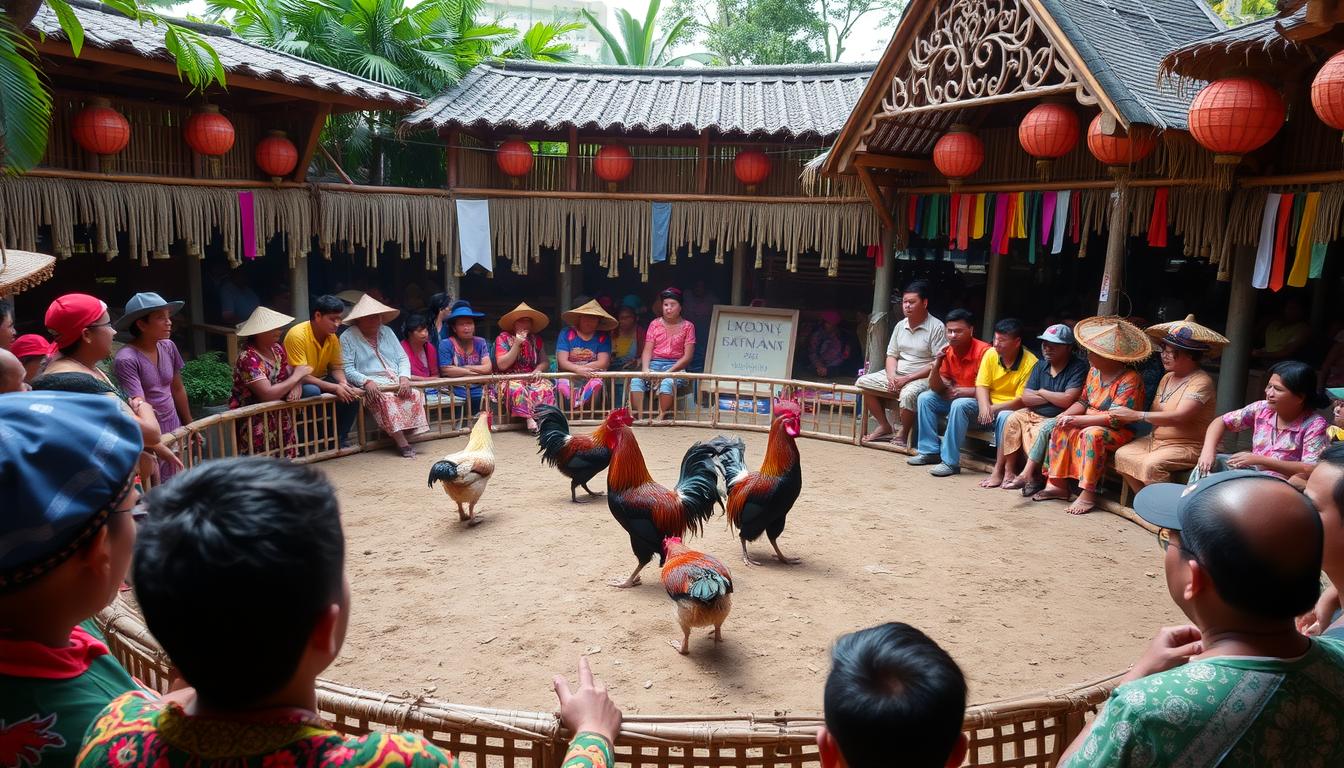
column 613, row 46
column 25, row 103
column 65, row 15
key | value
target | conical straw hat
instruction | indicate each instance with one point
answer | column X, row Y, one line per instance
column 605, row 322
column 21, row 270
column 1113, row 338
column 539, row 319
column 263, row 319
column 1187, row 334
column 367, row 305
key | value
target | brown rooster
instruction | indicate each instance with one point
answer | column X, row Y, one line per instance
column 648, row 511
column 464, row 474
column 578, row 457
column 759, row 502
column 700, row 586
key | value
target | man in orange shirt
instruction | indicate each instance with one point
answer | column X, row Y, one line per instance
column 952, row 377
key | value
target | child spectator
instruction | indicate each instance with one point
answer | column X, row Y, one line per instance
column 1335, row 432
column 33, row 351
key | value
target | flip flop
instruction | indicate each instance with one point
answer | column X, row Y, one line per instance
column 1031, row 489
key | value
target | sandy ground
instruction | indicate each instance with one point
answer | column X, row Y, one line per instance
column 1025, row 597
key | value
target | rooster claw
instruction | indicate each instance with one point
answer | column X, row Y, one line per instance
column 683, row 648
column 635, row 582
column 790, row 560
column 747, row 561
column 474, row 521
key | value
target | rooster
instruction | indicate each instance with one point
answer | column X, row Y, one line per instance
column 700, row 586
column 648, row 511
column 464, row 474
column 759, row 502
column 578, row 457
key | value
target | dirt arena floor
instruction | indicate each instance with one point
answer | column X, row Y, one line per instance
column 1025, row 597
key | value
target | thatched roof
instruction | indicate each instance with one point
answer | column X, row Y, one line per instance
column 106, row 29
column 1268, row 43
column 787, row 102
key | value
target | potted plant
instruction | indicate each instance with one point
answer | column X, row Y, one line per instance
column 209, row 382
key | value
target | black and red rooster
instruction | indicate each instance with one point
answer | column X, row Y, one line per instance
column 578, row 457
column 759, row 502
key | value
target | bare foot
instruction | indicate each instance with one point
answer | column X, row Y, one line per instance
column 1008, row 479
column 1048, row 495
column 877, row 434
column 993, row 481
column 900, row 442
column 1080, row 508
column 1016, row 483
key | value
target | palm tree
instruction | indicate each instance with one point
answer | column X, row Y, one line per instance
column 638, row 45
column 25, row 101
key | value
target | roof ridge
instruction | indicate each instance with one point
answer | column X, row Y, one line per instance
column 205, row 28
column 511, row 66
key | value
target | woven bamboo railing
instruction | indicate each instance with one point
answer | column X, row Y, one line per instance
column 1024, row 732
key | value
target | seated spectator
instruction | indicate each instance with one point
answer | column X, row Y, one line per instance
column 440, row 305
column 463, row 353
column 915, row 341
column 1088, row 430
column 1185, row 403
column 11, row 373
column 1055, row 383
column 827, row 350
column 1334, row 432
column 7, row 333
column 519, row 350
column 1239, row 686
column 34, row 352
column 1325, row 488
column 893, row 697
column 262, row 374
column 951, row 380
column 374, row 359
column 669, row 346
column 1287, row 436
column 55, row 671
column 1285, row 335
column 627, row 340
column 150, row 366
column 266, row 534
column 315, row 345
column 424, row 358
column 584, row 347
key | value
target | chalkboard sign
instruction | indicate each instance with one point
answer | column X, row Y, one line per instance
column 753, row 342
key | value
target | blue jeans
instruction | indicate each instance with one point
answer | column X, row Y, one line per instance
column 346, row 413
column 960, row 413
column 665, row 386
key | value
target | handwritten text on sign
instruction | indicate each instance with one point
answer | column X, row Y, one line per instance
column 752, row 345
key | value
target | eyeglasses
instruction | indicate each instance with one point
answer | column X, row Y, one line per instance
column 108, row 324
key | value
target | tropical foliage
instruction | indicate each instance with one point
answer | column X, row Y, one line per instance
column 636, row 44
column 1236, row 12
column 782, row 31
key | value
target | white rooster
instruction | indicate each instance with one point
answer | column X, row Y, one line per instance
column 464, row 474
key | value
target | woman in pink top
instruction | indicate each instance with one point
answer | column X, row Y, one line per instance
column 1287, row 436
column 424, row 357
column 669, row 345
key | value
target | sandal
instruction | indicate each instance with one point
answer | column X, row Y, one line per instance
column 1030, row 489
column 408, row 453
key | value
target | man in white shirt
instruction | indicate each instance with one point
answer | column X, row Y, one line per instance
column 915, row 341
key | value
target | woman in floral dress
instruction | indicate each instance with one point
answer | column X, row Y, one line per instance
column 262, row 374
column 518, row 350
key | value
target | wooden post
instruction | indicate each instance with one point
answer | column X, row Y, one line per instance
column 572, row 159
column 879, row 322
column 452, row 284
column 1236, row 359
column 740, row 257
column 1117, row 233
column 298, row 288
column 565, row 285
column 195, row 304
column 454, row 139
column 702, row 163
column 993, row 294
column 309, row 147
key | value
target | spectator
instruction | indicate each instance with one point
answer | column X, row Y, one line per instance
column 1325, row 488
column 1287, row 437
column 698, row 309
column 150, row 366
column 915, row 341
column 584, row 348
column 893, row 697
column 1055, row 383
column 1285, row 335
column 827, row 351
column 627, row 340
column 33, row 351
column 315, row 345
column 423, row 356
column 374, row 359
column 11, row 373
column 463, row 353
column 266, row 534
column 262, row 374
column 440, row 305
column 1239, row 686
column 6, row 323
column 519, row 351
column 55, row 671
column 1334, row 432
column 237, row 300
column 669, row 346
column 951, row 379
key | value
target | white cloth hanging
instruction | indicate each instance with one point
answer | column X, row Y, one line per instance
column 473, row 234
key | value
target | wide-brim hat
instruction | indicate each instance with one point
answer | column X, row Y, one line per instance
column 351, row 296
column 142, row 304
column 367, row 306
column 263, row 319
column 539, row 319
column 1114, row 338
column 605, row 322
column 21, row 270
column 462, row 308
column 1189, row 335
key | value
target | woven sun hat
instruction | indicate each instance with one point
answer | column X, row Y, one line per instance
column 367, row 306
column 1187, row 334
column 21, row 270
column 605, row 322
column 350, row 297
column 263, row 319
column 1113, row 338
column 142, row 304
column 539, row 319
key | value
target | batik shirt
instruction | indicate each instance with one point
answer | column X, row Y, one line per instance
column 49, row 696
column 1303, row 440
column 1231, row 712
column 136, row 731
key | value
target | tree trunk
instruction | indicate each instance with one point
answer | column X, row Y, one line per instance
column 21, row 12
column 375, row 153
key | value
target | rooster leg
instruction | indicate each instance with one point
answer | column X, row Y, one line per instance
column 633, row 581
column 474, row 519
column 461, row 513
column 590, row 491
column 746, row 559
column 717, row 634
column 573, row 497
column 782, row 558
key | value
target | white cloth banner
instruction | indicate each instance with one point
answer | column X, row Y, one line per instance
column 1061, row 220
column 473, row 234
column 1264, row 252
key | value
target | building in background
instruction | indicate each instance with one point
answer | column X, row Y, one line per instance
column 522, row 14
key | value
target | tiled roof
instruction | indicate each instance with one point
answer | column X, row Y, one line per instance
column 752, row 102
column 107, row 29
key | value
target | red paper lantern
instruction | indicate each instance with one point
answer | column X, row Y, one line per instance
column 515, row 158
column 958, row 153
column 209, row 132
column 751, row 166
column 276, row 155
column 1234, row 116
column 1048, row 131
column 1327, row 92
column 100, row 129
column 613, row 164
column 1121, row 148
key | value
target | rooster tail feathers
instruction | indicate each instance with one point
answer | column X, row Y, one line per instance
column 731, row 458
column 698, row 487
column 444, row 471
column 552, row 432
column 708, row 586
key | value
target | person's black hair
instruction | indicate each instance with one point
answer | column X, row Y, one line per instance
column 920, row 288
column 327, row 304
column 1194, row 354
column 70, row 349
column 437, row 303
column 1009, row 326
column 6, row 309
column 414, row 322
column 893, row 691
column 1300, row 379
column 1246, row 577
column 235, row 563
column 1334, row 456
column 960, row 315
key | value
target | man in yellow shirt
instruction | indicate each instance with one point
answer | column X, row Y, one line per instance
column 314, row 343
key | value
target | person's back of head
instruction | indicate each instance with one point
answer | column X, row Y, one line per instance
column 238, row 568
column 11, row 372
column 893, row 697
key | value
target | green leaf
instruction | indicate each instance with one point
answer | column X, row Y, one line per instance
column 25, row 103
column 74, row 31
column 612, row 45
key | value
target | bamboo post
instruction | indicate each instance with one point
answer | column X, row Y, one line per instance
column 1236, row 358
column 993, row 294
column 879, row 322
column 298, row 287
column 1117, row 233
column 195, row 304
column 739, row 274
column 565, row 285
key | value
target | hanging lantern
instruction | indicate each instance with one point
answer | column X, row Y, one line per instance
column 613, row 165
column 1235, row 116
column 751, row 166
column 100, row 129
column 1327, row 92
column 1120, row 150
column 515, row 159
column 208, row 132
column 958, row 154
column 276, row 155
column 1048, row 132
